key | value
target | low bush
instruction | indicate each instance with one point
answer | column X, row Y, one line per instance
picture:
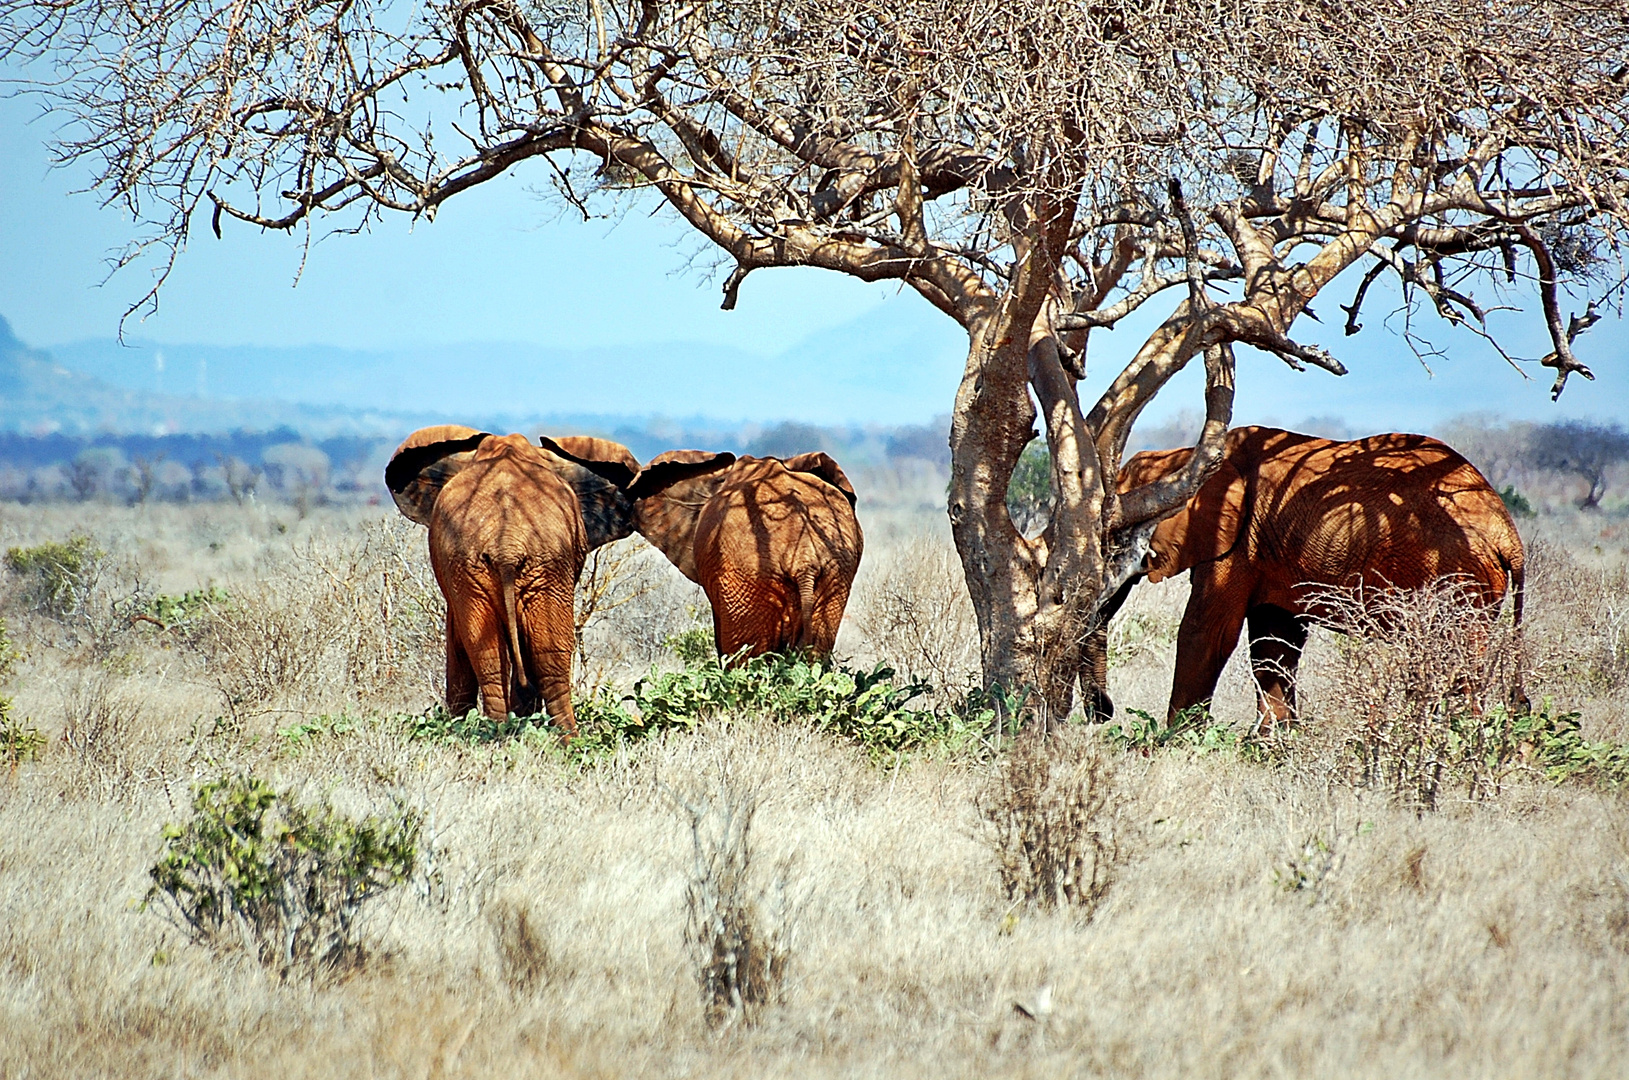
column 56, row 576
column 1051, row 816
column 259, row 870
column 740, row 952
column 1417, row 677
column 1191, row 729
column 185, row 610
column 18, row 742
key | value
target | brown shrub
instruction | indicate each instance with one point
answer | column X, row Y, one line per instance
column 1051, row 815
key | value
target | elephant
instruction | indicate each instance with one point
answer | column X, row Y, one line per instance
column 774, row 543
column 510, row 526
column 1285, row 516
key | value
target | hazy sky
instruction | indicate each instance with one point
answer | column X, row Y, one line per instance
column 502, row 264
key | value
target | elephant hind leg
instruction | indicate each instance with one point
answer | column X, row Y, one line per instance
column 1276, row 640
column 481, row 635
column 461, row 691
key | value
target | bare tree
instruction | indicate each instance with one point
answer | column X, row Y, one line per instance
column 1584, row 449
column 1036, row 171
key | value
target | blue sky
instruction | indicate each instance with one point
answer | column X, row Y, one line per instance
column 503, row 265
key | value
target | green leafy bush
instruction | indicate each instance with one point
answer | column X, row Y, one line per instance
column 1191, row 729
column 57, row 575
column 1029, row 491
column 867, row 707
column 693, row 646
column 186, row 608
column 1516, row 502
column 18, row 743
column 255, row 868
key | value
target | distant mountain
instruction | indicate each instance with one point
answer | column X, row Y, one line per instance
column 893, row 366
column 41, row 396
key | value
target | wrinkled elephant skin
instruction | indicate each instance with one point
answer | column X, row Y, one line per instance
column 507, row 544
column 1287, row 515
column 774, row 543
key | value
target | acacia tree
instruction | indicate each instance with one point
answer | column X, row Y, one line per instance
column 1036, row 171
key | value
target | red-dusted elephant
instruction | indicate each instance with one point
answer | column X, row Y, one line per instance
column 774, row 543
column 510, row 526
column 1286, row 515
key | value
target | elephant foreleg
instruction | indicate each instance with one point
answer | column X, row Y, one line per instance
column 1276, row 640
column 1209, row 632
column 461, row 692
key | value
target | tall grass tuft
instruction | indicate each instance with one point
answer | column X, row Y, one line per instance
column 739, row 952
column 1052, row 819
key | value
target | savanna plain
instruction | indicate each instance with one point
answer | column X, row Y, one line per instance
column 747, row 890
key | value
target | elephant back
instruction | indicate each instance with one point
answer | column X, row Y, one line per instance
column 822, row 465
column 425, row 461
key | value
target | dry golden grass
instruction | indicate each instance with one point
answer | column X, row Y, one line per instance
column 1260, row 920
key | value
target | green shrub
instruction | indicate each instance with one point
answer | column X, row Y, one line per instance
column 693, row 646
column 1516, row 502
column 256, row 869
column 56, row 576
column 1029, row 491
column 186, row 608
column 436, row 724
column 1191, row 729
column 17, row 742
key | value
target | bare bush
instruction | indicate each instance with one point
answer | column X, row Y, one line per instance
column 523, row 951
column 739, row 951
column 1423, row 682
column 99, row 717
column 1578, row 627
column 1051, row 816
column 916, row 613
column 359, row 619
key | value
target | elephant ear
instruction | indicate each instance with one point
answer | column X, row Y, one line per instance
column 1204, row 530
column 423, row 464
column 821, row 465
column 669, row 494
column 598, row 471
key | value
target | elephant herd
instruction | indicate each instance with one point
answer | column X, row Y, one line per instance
column 775, row 544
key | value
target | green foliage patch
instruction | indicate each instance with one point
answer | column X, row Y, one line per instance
column 1516, row 502
column 56, row 575
column 866, row 707
column 186, row 608
column 1191, row 729
column 18, row 742
column 258, row 869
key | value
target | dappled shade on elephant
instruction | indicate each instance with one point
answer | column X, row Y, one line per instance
column 1286, row 516
column 510, row 526
column 774, row 543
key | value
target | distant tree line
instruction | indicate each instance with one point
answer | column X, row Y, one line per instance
column 282, row 464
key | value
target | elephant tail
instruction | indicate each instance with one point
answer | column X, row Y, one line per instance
column 1516, row 570
column 511, row 616
column 804, row 580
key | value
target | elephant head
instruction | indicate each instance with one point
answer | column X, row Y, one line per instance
column 597, row 471
column 1205, row 529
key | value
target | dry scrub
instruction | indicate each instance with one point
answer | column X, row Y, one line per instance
column 1264, row 922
